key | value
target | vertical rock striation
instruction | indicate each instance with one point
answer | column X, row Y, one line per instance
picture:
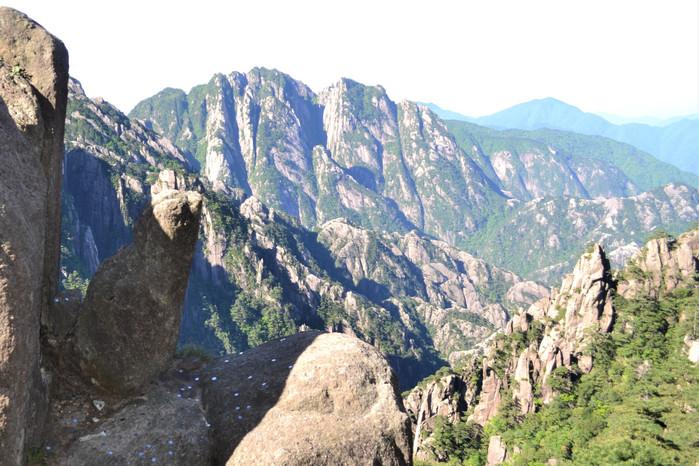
column 33, row 90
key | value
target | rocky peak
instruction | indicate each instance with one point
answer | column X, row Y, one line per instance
column 585, row 296
column 661, row 265
column 553, row 332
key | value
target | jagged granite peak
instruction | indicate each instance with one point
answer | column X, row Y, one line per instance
column 96, row 126
column 564, row 324
column 128, row 326
column 662, row 265
column 561, row 336
column 448, row 397
column 279, row 123
column 33, row 81
column 350, row 151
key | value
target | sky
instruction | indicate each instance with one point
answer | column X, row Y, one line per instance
column 630, row 58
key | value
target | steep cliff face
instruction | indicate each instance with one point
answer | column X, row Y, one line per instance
column 661, row 265
column 520, row 363
column 33, row 79
column 561, row 351
column 350, row 151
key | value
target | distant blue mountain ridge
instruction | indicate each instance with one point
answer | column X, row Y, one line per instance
column 672, row 141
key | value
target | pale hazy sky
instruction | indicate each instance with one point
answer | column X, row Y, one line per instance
column 624, row 57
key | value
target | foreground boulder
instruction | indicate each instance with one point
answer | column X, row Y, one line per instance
column 308, row 399
column 33, row 89
column 129, row 323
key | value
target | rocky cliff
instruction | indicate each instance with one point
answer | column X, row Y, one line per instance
column 554, row 332
column 555, row 344
column 100, row 386
column 350, row 151
column 259, row 274
column 662, row 265
column 33, row 80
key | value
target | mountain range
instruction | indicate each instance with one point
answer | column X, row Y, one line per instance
column 251, row 271
column 674, row 141
column 346, row 210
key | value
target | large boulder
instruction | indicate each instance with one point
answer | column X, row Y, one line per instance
column 129, row 323
column 33, row 90
column 308, row 399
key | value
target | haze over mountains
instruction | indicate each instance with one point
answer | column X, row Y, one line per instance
column 675, row 140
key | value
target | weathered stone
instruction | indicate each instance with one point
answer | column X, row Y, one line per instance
column 309, row 399
column 129, row 323
column 160, row 428
column 44, row 59
column 33, row 80
column 661, row 266
column 490, row 397
column 497, row 451
column 448, row 397
column 692, row 349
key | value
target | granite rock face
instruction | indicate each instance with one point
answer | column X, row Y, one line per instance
column 449, row 396
column 33, row 90
column 308, row 399
column 556, row 331
column 497, row 451
column 661, row 266
column 129, row 323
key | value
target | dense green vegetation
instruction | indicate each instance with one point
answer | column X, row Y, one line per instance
column 638, row 406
